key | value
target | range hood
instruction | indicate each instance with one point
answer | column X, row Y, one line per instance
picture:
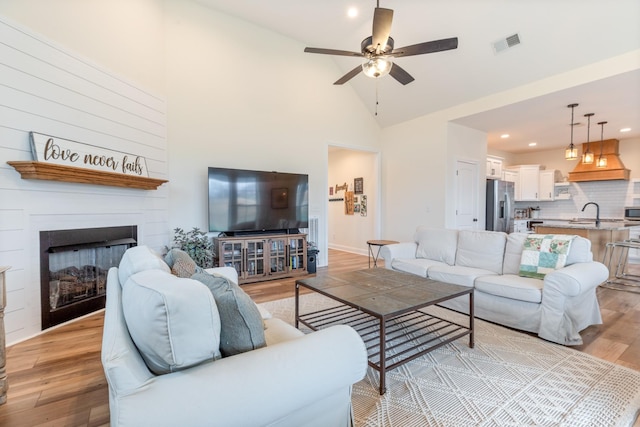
column 615, row 168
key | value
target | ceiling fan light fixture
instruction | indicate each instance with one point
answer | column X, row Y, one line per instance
column 377, row 67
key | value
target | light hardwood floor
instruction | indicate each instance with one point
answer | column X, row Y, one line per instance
column 56, row 379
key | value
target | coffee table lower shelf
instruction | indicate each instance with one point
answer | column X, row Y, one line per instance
column 400, row 339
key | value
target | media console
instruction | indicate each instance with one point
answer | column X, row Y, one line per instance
column 262, row 257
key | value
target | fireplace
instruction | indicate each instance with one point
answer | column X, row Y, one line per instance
column 73, row 269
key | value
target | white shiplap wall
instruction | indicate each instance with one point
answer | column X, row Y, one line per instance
column 48, row 89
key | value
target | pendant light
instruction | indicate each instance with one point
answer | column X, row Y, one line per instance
column 602, row 160
column 571, row 153
column 587, row 156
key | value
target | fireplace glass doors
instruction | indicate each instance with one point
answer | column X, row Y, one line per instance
column 80, row 274
column 73, row 269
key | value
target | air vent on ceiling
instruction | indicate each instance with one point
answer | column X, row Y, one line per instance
column 506, row 43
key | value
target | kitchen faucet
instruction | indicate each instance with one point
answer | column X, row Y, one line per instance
column 597, row 211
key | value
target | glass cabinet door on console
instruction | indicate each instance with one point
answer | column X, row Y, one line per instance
column 278, row 255
column 254, row 259
column 231, row 255
column 297, row 253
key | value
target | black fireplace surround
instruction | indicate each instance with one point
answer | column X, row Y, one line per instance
column 74, row 266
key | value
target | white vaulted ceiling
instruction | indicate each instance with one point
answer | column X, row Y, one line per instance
column 556, row 36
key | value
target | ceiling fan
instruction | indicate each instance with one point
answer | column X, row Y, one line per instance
column 379, row 52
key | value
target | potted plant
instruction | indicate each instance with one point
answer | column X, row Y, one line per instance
column 196, row 244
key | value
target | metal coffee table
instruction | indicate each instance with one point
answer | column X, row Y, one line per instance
column 383, row 306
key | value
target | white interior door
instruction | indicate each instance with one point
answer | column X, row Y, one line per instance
column 467, row 195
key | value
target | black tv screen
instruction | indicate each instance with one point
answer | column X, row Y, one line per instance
column 249, row 200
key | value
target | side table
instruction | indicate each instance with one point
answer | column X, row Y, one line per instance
column 379, row 244
column 4, row 385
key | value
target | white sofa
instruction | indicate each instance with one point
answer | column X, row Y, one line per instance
column 295, row 380
column 556, row 308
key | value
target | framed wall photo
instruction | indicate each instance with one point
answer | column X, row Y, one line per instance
column 363, row 205
column 358, row 185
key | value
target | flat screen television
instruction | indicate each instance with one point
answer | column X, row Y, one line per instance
column 245, row 201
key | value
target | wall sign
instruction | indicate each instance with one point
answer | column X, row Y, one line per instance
column 348, row 203
column 59, row 151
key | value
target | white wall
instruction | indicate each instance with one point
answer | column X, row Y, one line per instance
column 351, row 232
column 414, row 169
column 125, row 36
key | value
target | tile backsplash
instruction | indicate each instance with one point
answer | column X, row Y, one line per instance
column 612, row 196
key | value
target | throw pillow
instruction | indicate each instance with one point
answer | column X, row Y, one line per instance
column 139, row 258
column 513, row 253
column 242, row 328
column 181, row 263
column 173, row 322
column 544, row 253
column 436, row 244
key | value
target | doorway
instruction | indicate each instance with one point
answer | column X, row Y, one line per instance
column 356, row 171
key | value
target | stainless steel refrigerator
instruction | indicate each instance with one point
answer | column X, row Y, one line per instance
column 500, row 209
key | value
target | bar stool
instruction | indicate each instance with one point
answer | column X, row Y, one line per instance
column 616, row 257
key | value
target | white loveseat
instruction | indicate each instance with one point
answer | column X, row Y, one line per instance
column 556, row 308
column 295, row 380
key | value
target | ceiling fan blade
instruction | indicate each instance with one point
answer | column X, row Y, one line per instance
column 382, row 19
column 426, row 47
column 400, row 74
column 332, row 52
column 351, row 74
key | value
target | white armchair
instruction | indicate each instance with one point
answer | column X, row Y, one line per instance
column 295, row 380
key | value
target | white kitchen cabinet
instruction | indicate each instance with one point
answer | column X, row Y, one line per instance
column 547, row 182
column 529, row 182
column 533, row 183
column 512, row 176
column 494, row 167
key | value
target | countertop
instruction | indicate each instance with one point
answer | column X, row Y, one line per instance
column 588, row 223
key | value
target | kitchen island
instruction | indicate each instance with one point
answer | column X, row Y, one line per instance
column 600, row 235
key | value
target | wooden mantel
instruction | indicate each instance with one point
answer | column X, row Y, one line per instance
column 53, row 172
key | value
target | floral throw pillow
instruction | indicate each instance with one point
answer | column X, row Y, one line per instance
column 544, row 253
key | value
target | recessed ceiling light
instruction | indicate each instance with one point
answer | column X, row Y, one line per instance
column 533, row 144
column 625, row 130
column 504, row 136
column 352, row 12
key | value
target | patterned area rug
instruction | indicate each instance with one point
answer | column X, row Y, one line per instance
column 508, row 379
